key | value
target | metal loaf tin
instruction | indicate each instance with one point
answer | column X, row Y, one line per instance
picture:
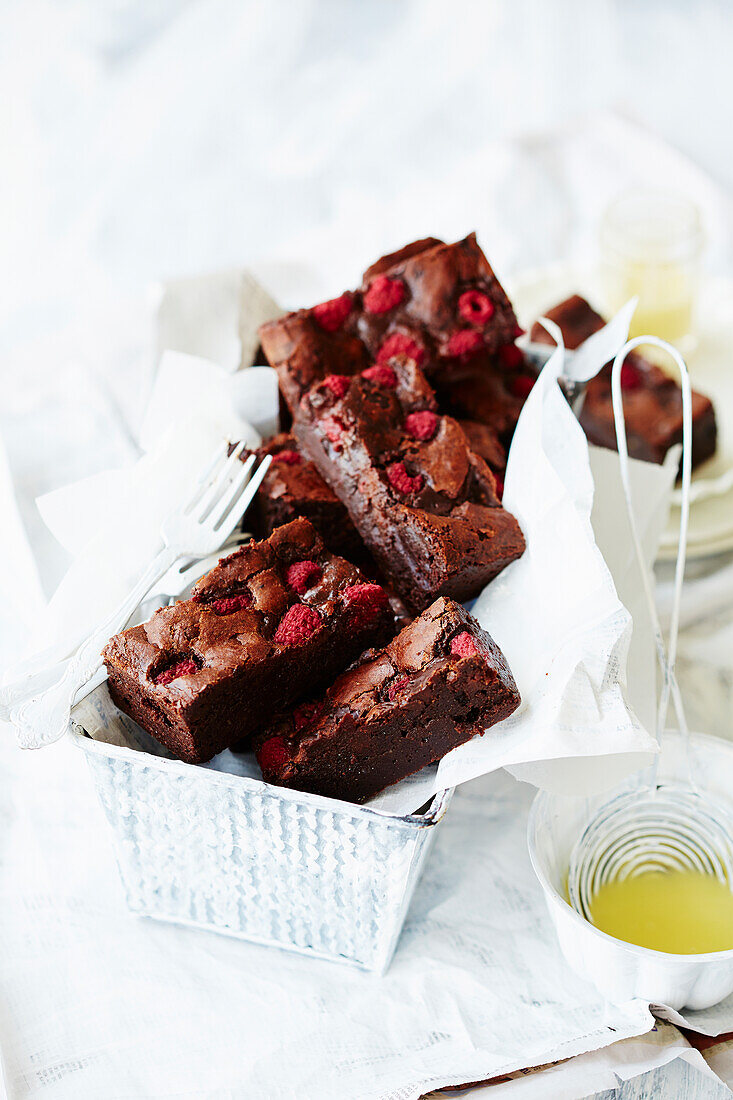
column 231, row 854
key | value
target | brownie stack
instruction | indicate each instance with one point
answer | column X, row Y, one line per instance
column 278, row 648
column 360, row 373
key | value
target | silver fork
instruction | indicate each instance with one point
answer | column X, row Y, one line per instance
column 218, row 502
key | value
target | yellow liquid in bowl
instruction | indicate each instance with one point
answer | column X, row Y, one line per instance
column 683, row 912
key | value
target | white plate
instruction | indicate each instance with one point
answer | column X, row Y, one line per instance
column 711, row 369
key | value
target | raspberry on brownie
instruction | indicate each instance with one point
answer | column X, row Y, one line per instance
column 266, row 626
column 652, row 400
column 439, row 305
column 424, row 502
column 437, row 684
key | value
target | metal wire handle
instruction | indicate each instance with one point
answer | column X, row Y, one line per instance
column 666, row 657
column 667, row 827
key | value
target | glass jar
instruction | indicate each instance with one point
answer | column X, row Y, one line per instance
column 651, row 245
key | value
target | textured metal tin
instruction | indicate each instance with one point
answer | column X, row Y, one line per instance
column 232, row 854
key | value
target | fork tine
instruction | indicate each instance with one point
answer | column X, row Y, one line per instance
column 227, row 501
column 207, row 476
column 238, row 500
column 232, row 470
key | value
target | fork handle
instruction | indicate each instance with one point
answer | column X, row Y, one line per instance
column 43, row 719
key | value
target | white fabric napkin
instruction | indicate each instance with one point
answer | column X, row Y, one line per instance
column 213, row 316
column 93, row 995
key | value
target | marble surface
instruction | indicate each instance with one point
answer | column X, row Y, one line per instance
column 148, row 140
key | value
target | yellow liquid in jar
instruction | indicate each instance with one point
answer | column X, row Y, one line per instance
column 666, row 295
column 682, row 912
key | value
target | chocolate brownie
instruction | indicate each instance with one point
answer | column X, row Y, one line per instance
column 652, row 400
column 494, row 395
column 439, row 682
column 486, row 443
column 423, row 501
column 265, row 625
column 440, row 304
column 293, row 487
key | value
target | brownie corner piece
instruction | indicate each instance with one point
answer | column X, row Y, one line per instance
column 261, row 629
column 439, row 682
column 446, row 295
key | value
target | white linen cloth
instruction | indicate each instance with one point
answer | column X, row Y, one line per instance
column 99, row 1003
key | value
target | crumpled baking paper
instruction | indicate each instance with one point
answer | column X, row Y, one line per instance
column 214, row 317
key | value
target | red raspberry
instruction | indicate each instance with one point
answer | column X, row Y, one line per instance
column 185, row 667
column 333, row 427
column 297, row 624
column 400, row 480
column 302, row 575
column 630, row 376
column 338, row 384
column 518, row 331
column 521, row 385
column 399, row 344
column 464, row 343
column 332, row 314
column 272, row 754
column 227, row 604
column 463, row 645
column 422, row 425
column 396, row 687
column 499, row 486
column 475, row 307
column 383, row 294
column 381, row 375
column 511, row 357
column 306, row 714
column 290, row 458
column 365, row 601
